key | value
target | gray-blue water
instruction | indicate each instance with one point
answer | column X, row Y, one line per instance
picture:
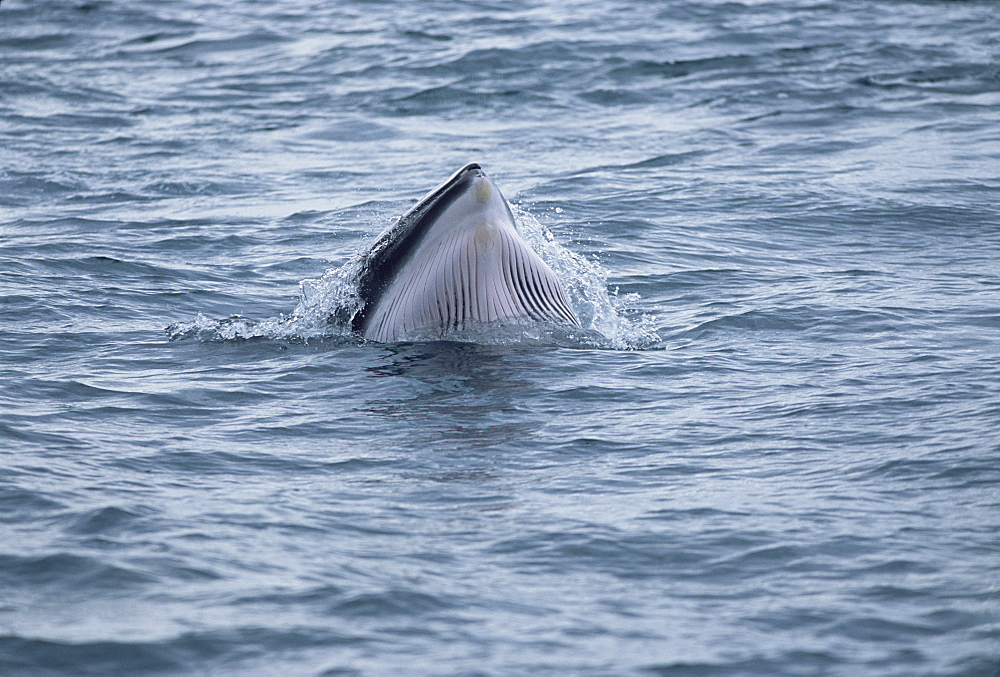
column 773, row 450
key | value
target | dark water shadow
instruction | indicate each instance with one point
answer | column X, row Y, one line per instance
column 458, row 395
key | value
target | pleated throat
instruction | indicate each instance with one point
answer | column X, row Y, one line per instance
column 467, row 276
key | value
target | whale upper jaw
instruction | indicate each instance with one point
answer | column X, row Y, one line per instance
column 454, row 260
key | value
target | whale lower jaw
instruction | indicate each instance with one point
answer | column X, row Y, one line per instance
column 457, row 264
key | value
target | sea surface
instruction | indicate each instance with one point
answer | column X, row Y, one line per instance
column 772, row 449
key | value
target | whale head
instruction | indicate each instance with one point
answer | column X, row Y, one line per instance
column 454, row 260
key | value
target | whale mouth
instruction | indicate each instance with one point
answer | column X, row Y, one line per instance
column 453, row 261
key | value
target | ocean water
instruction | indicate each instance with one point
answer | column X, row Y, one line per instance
column 773, row 449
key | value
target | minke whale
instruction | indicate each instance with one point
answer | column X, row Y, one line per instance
column 455, row 260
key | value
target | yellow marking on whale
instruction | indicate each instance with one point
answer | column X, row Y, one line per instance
column 487, row 236
column 483, row 190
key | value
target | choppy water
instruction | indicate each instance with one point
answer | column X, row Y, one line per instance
column 774, row 451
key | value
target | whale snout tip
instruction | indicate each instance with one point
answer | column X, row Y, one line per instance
column 471, row 169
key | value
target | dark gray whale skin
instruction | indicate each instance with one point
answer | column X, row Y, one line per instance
column 396, row 245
